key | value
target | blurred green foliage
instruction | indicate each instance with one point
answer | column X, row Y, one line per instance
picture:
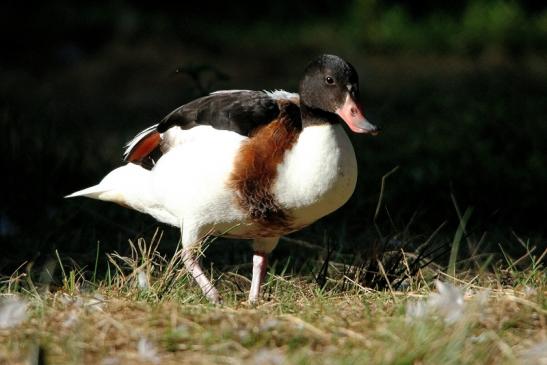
column 483, row 24
column 465, row 27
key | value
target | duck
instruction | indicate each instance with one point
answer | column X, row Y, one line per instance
column 245, row 164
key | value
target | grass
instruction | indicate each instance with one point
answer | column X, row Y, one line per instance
column 145, row 310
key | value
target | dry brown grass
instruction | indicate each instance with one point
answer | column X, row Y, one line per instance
column 148, row 312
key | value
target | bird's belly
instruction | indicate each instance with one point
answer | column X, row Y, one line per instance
column 318, row 176
column 313, row 207
column 326, row 203
column 315, row 178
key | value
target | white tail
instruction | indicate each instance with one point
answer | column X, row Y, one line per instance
column 127, row 185
column 92, row 192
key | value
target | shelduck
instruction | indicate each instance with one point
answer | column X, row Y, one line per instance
column 245, row 164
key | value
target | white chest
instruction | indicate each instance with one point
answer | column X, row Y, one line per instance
column 318, row 175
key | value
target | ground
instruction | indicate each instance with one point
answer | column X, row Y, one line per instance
column 146, row 311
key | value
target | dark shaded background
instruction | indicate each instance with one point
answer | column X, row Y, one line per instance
column 460, row 91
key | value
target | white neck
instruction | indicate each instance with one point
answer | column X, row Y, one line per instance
column 318, row 175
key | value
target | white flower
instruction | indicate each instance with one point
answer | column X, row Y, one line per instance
column 536, row 355
column 269, row 324
column 110, row 361
column 267, row 356
column 479, row 339
column 530, row 291
column 71, row 319
column 13, row 311
column 415, row 310
column 142, row 280
column 447, row 303
column 244, row 335
column 147, row 351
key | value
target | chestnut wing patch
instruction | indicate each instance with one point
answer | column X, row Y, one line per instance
column 255, row 167
column 144, row 149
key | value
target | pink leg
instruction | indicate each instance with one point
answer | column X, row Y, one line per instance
column 192, row 265
column 260, row 265
column 262, row 247
column 192, row 237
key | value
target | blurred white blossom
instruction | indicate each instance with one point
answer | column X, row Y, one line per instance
column 415, row 310
column 71, row 319
column 13, row 311
column 267, row 356
column 269, row 324
column 111, row 361
column 530, row 291
column 147, row 351
column 535, row 355
column 142, row 280
column 244, row 335
column 447, row 303
column 483, row 337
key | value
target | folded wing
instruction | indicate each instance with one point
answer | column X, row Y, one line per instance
column 240, row 111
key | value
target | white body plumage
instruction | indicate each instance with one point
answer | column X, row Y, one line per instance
column 189, row 185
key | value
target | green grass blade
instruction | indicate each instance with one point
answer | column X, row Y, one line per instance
column 94, row 279
column 457, row 241
column 60, row 264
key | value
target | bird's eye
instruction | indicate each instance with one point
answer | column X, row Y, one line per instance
column 329, row 80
